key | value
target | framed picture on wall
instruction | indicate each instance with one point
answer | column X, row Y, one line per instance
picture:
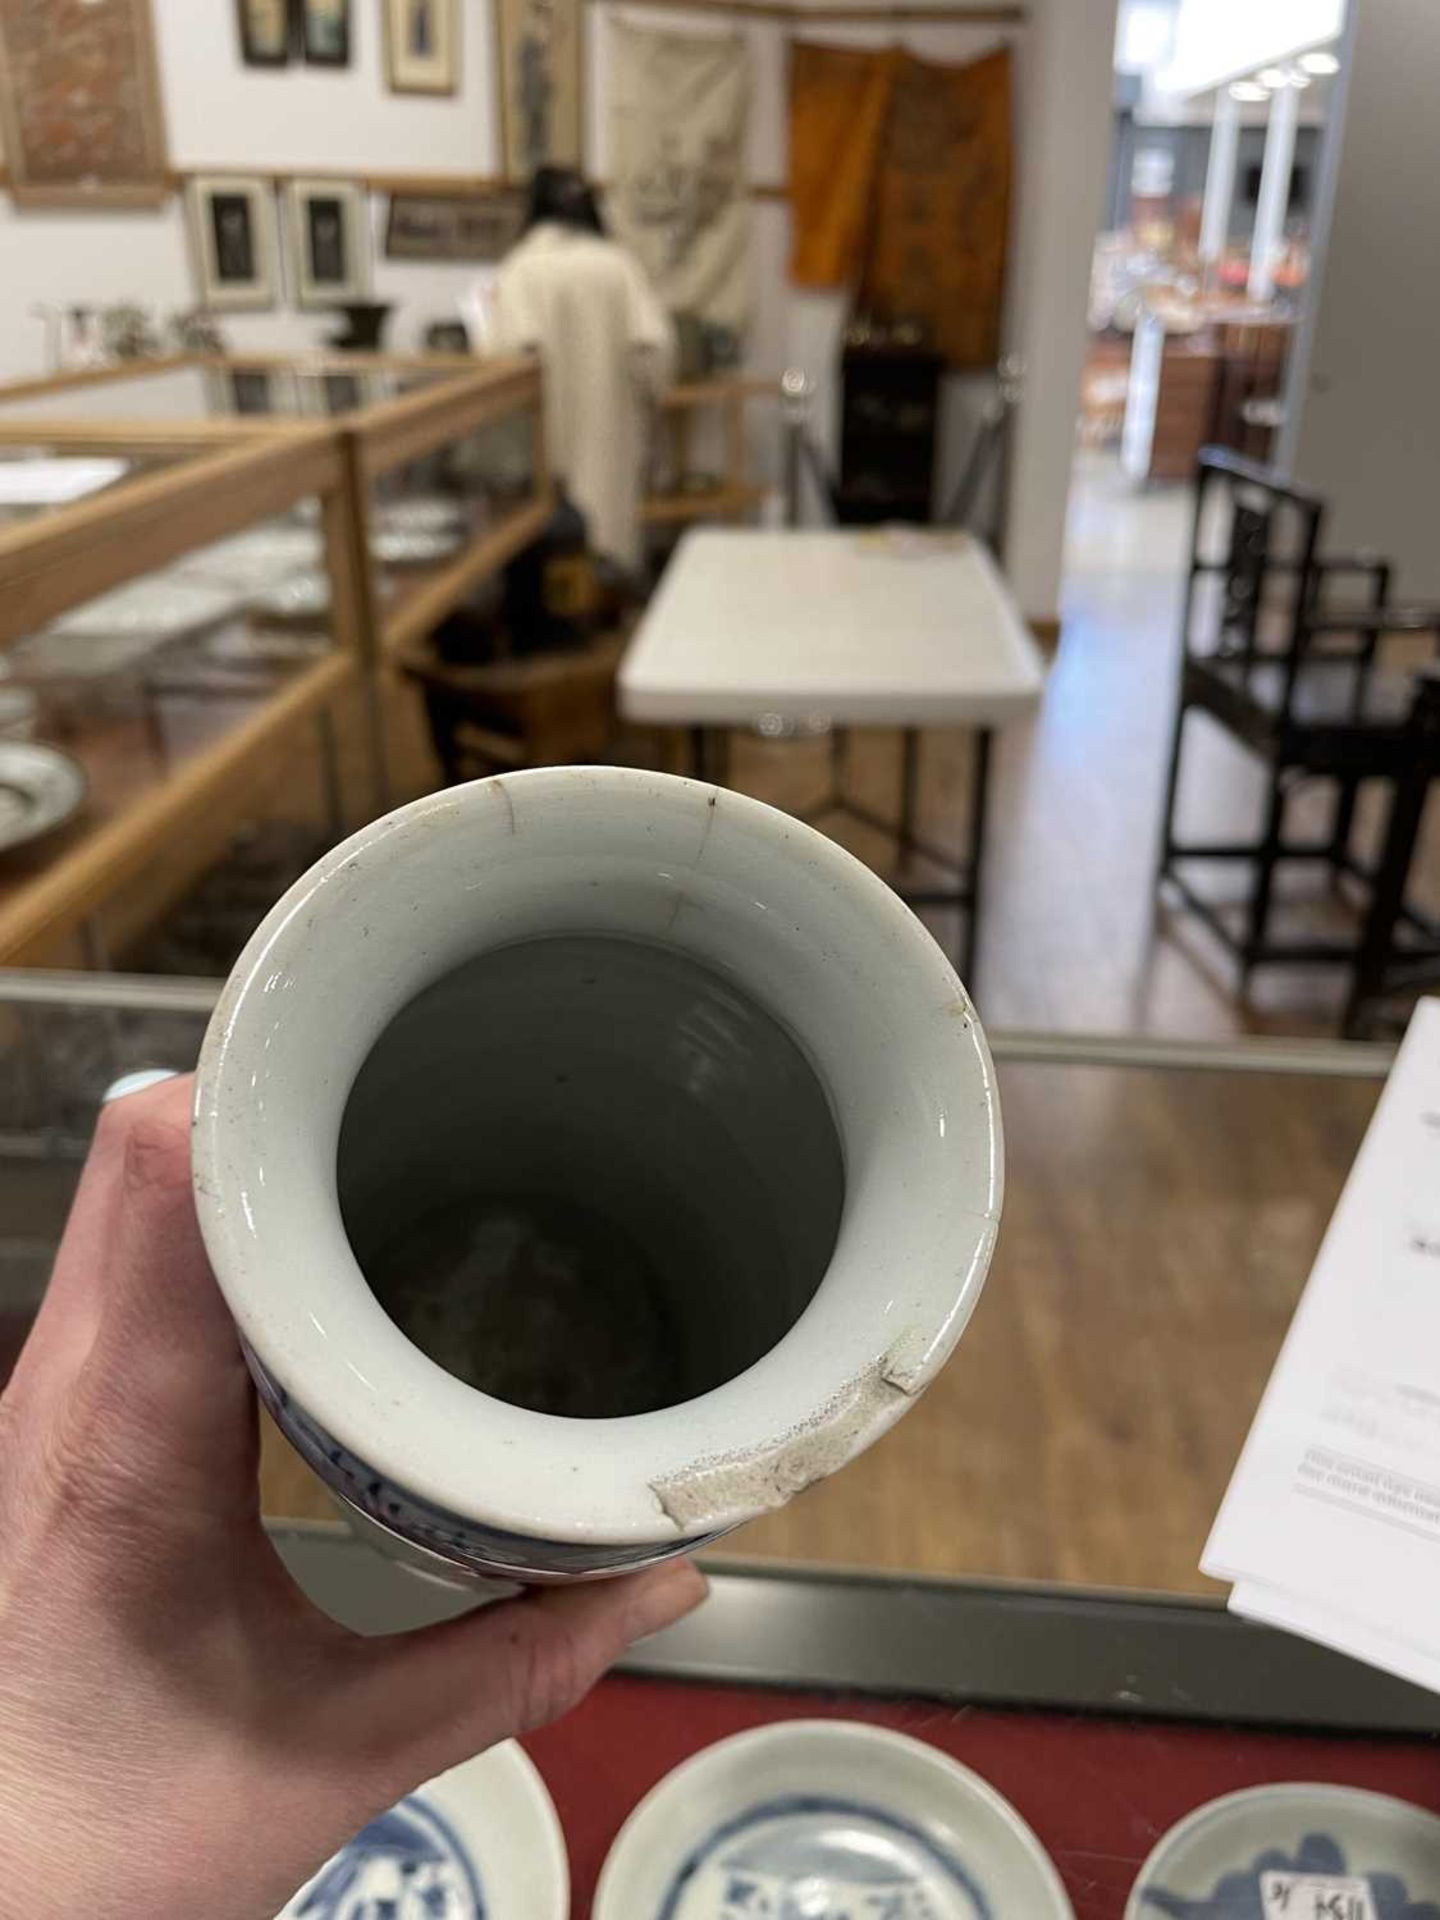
column 264, row 28
column 437, row 226
column 81, row 122
column 328, row 222
column 232, row 239
column 542, row 102
column 325, row 32
column 422, row 45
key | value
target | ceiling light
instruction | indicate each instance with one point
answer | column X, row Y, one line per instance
column 1247, row 90
column 1272, row 76
column 1320, row 63
column 1297, row 79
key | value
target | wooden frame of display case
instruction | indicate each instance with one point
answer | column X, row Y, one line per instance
column 736, row 496
column 67, row 379
column 393, row 432
column 232, row 474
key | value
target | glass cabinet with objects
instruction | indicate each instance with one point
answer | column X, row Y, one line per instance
column 181, row 652
column 444, row 454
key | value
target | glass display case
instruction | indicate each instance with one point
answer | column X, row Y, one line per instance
column 180, row 607
column 444, row 454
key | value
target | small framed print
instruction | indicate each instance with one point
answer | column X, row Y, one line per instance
column 436, row 226
column 329, row 232
column 325, row 32
column 232, row 237
column 422, row 45
column 264, row 32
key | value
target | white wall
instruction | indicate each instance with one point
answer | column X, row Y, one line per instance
column 1364, row 400
column 222, row 114
column 1062, row 191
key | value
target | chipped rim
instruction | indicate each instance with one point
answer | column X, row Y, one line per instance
column 799, row 924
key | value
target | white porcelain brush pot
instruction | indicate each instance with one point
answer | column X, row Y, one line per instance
column 591, row 1159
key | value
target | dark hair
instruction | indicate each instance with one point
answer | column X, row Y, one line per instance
column 563, row 196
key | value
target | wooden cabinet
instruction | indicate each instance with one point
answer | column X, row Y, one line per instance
column 1170, row 403
column 889, row 423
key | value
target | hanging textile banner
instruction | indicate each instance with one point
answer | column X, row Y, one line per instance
column 679, row 105
column 941, row 210
column 839, row 111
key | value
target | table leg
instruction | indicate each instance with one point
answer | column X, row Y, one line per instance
column 1387, row 896
column 909, row 785
column 839, row 754
column 980, row 783
column 334, row 803
column 94, row 945
column 373, row 715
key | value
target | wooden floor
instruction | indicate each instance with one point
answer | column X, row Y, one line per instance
column 1158, row 1227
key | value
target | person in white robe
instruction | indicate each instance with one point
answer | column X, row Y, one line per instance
column 583, row 303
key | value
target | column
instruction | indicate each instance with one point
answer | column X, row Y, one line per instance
column 1220, row 177
column 1274, row 190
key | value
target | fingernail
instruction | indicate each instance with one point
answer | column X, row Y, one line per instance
column 135, row 1083
column 665, row 1596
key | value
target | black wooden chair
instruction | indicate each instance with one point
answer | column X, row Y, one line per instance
column 1299, row 680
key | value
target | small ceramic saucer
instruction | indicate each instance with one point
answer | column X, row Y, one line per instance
column 481, row 1842
column 826, row 1820
column 40, row 788
column 1304, row 1852
column 412, row 547
column 424, row 514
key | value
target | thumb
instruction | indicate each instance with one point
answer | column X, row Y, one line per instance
column 421, row 1702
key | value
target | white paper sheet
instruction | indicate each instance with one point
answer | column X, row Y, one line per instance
column 1331, row 1524
column 53, row 483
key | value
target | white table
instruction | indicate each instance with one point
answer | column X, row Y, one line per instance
column 814, row 632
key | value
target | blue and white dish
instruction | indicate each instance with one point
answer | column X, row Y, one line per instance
column 481, row 1842
column 1304, row 1852
column 826, row 1820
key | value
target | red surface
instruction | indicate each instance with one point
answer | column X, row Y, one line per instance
column 1098, row 1792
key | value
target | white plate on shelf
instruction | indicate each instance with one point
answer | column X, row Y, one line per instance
column 52, row 656
column 481, row 1842
column 1306, row 1852
column 303, row 596
column 56, row 481
column 827, row 1820
column 427, row 513
column 412, row 546
column 253, row 560
column 40, row 789
column 160, row 608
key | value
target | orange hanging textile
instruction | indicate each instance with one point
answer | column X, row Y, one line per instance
column 839, row 107
column 940, row 212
